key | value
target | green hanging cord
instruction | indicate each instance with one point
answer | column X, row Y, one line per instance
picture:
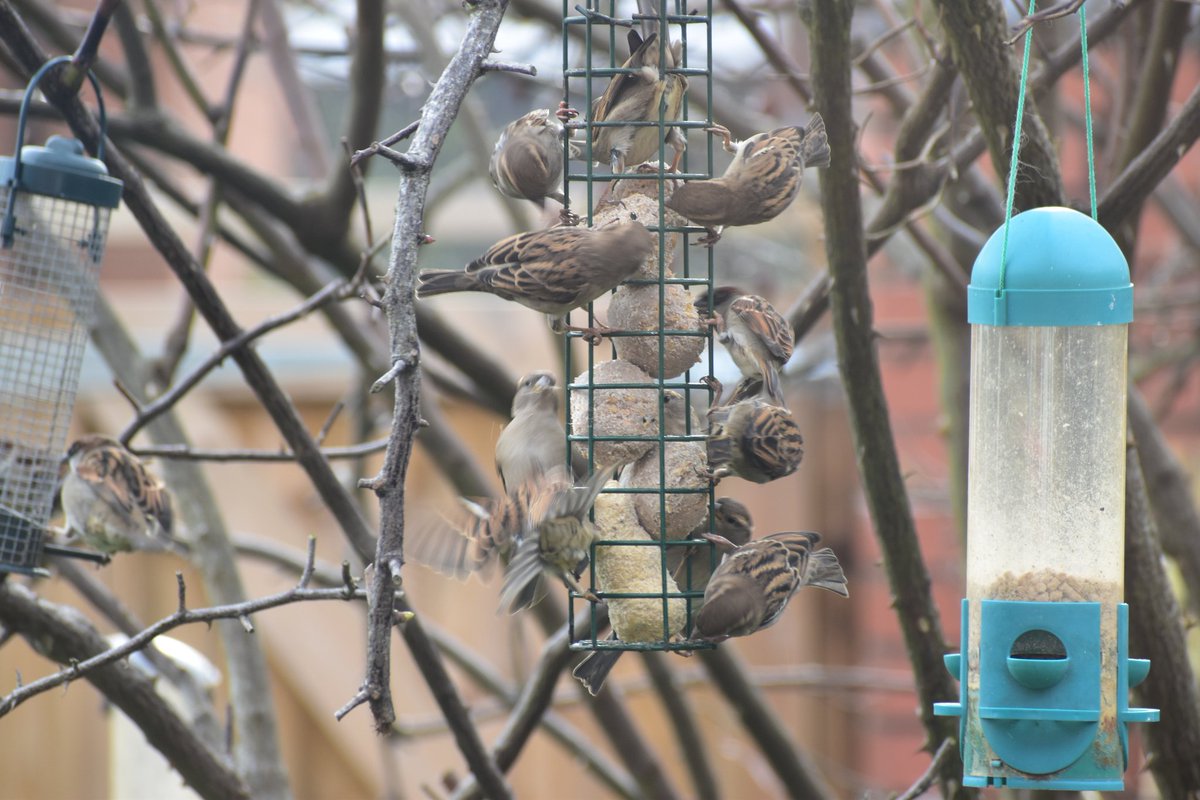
column 1016, row 146
column 1087, row 110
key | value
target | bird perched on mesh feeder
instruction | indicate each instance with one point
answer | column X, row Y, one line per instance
column 762, row 180
column 552, row 271
column 492, row 528
column 556, row 541
column 112, row 502
column 638, row 97
column 692, row 567
column 542, row 524
column 754, row 439
column 527, row 161
column 757, row 337
column 531, row 444
column 750, row 589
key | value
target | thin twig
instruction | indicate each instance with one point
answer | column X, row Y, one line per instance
column 776, row 55
column 1054, row 12
column 930, row 774
column 183, row 452
column 182, row 616
column 336, row 290
column 508, row 66
column 62, row 634
column 177, row 338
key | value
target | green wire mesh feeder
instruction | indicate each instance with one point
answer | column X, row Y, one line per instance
column 636, row 407
column 56, row 203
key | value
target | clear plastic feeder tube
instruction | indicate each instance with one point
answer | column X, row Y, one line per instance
column 1046, row 503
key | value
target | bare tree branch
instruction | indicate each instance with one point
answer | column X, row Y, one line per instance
column 875, row 446
column 1156, row 632
column 439, row 111
column 62, row 634
column 975, row 31
column 182, row 616
column 1172, row 500
column 800, row 778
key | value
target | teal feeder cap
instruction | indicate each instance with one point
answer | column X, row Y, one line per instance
column 1063, row 270
column 61, row 169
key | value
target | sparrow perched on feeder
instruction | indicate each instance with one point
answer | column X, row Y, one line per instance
column 112, row 502
column 532, row 444
column 637, row 97
column 761, row 181
column 552, row 271
column 494, row 526
column 527, row 161
column 753, row 439
column 692, row 566
column 750, row 589
column 758, row 338
column 557, row 541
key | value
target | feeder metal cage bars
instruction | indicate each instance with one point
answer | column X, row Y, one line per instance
column 56, row 204
column 581, row 84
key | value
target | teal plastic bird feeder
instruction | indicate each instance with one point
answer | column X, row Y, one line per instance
column 55, row 204
column 1044, row 668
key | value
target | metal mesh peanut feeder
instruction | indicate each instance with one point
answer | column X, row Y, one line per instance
column 635, row 409
column 56, row 204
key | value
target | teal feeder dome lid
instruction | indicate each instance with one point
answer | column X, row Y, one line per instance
column 61, row 169
column 1063, row 269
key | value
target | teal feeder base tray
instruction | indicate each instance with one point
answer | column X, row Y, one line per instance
column 1036, row 719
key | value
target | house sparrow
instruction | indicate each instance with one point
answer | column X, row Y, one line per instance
column 557, row 541
column 752, row 586
column 552, row 271
column 527, row 161
column 761, row 181
column 112, row 502
column 637, row 97
column 753, row 439
column 693, row 566
column 757, row 336
column 492, row 527
column 534, row 442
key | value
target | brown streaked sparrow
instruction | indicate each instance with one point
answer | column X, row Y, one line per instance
column 750, row 589
column 758, row 338
column 693, row 566
column 555, row 541
column 552, row 271
column 761, row 181
column 527, row 161
column 112, row 502
column 637, row 97
column 533, row 444
column 493, row 526
column 753, row 439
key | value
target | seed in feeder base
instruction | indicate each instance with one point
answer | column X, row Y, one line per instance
column 616, row 412
column 633, row 569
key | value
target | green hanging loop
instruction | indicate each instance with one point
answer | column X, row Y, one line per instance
column 1016, row 148
column 1087, row 110
column 1087, row 118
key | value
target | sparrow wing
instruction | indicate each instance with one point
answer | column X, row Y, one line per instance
column 766, row 323
column 773, row 443
column 120, row 480
column 617, row 94
column 708, row 202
